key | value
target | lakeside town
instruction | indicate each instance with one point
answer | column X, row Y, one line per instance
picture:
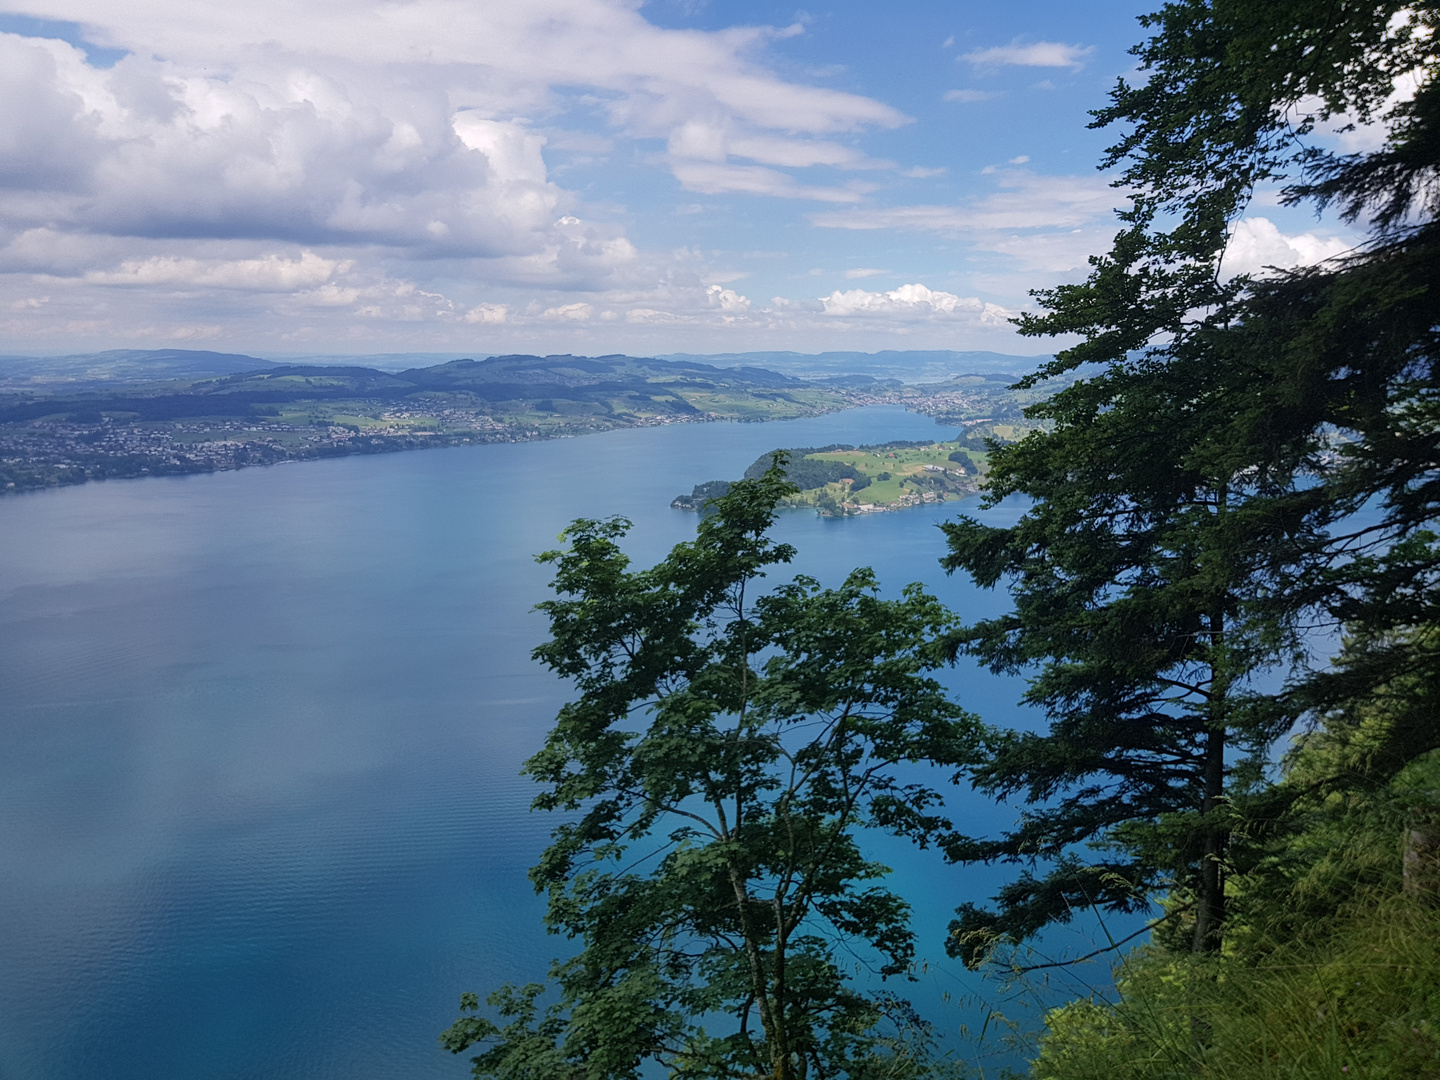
column 61, row 435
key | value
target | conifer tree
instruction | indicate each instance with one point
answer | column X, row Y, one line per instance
column 1135, row 577
column 1241, row 457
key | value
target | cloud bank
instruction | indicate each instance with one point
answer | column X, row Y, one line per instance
column 352, row 171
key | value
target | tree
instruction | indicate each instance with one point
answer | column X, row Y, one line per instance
column 1340, row 357
column 1134, row 577
column 1200, row 492
column 724, row 755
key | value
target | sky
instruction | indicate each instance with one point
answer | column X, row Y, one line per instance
column 552, row 176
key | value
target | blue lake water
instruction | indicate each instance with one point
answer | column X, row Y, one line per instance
column 260, row 811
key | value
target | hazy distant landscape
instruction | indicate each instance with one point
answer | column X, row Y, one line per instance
column 130, row 413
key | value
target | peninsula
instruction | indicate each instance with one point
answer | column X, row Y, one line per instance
column 841, row 481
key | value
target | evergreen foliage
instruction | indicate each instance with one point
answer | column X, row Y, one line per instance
column 1132, row 578
column 1200, row 493
column 807, row 474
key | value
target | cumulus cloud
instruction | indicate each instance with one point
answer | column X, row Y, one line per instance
column 726, row 299
column 1046, row 54
column 400, row 127
column 318, row 171
column 912, row 302
column 573, row 312
column 276, row 151
column 487, row 313
column 318, row 122
column 1257, row 244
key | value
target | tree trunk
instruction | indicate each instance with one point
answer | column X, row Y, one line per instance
column 1421, row 868
column 1210, row 891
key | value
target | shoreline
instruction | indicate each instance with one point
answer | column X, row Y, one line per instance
column 156, row 452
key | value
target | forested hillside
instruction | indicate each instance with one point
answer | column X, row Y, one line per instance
column 125, row 414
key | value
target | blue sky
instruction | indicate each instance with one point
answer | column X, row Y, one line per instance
column 556, row 175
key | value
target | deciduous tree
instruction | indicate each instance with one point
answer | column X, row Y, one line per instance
column 725, row 754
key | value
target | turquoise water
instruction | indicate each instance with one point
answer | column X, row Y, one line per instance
column 260, row 811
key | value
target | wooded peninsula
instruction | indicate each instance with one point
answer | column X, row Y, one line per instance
column 842, row 481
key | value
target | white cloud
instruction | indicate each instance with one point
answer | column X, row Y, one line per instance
column 498, row 57
column 393, row 125
column 487, row 313
column 191, row 332
column 576, row 312
column 378, row 298
column 913, row 301
column 1048, row 252
column 50, row 251
column 726, row 299
column 1047, row 224
column 711, row 178
column 1024, row 201
column 276, row 150
column 969, row 97
column 1048, row 54
column 864, row 272
column 1350, row 133
column 1257, row 244
column 333, row 296
column 357, row 172
column 271, row 273
column 652, row 317
column 799, row 154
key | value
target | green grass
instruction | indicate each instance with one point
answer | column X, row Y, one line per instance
column 1331, row 969
column 908, row 476
column 1365, row 1002
column 762, row 405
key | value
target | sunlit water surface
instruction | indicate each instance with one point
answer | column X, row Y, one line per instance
column 260, row 806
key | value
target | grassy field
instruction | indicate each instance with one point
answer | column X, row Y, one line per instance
column 899, row 476
column 846, row 480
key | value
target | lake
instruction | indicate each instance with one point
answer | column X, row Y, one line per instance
column 260, row 811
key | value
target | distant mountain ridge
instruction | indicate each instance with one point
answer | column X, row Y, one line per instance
column 131, row 383
column 125, row 366
column 114, row 367
column 126, row 413
column 926, row 365
column 110, row 415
